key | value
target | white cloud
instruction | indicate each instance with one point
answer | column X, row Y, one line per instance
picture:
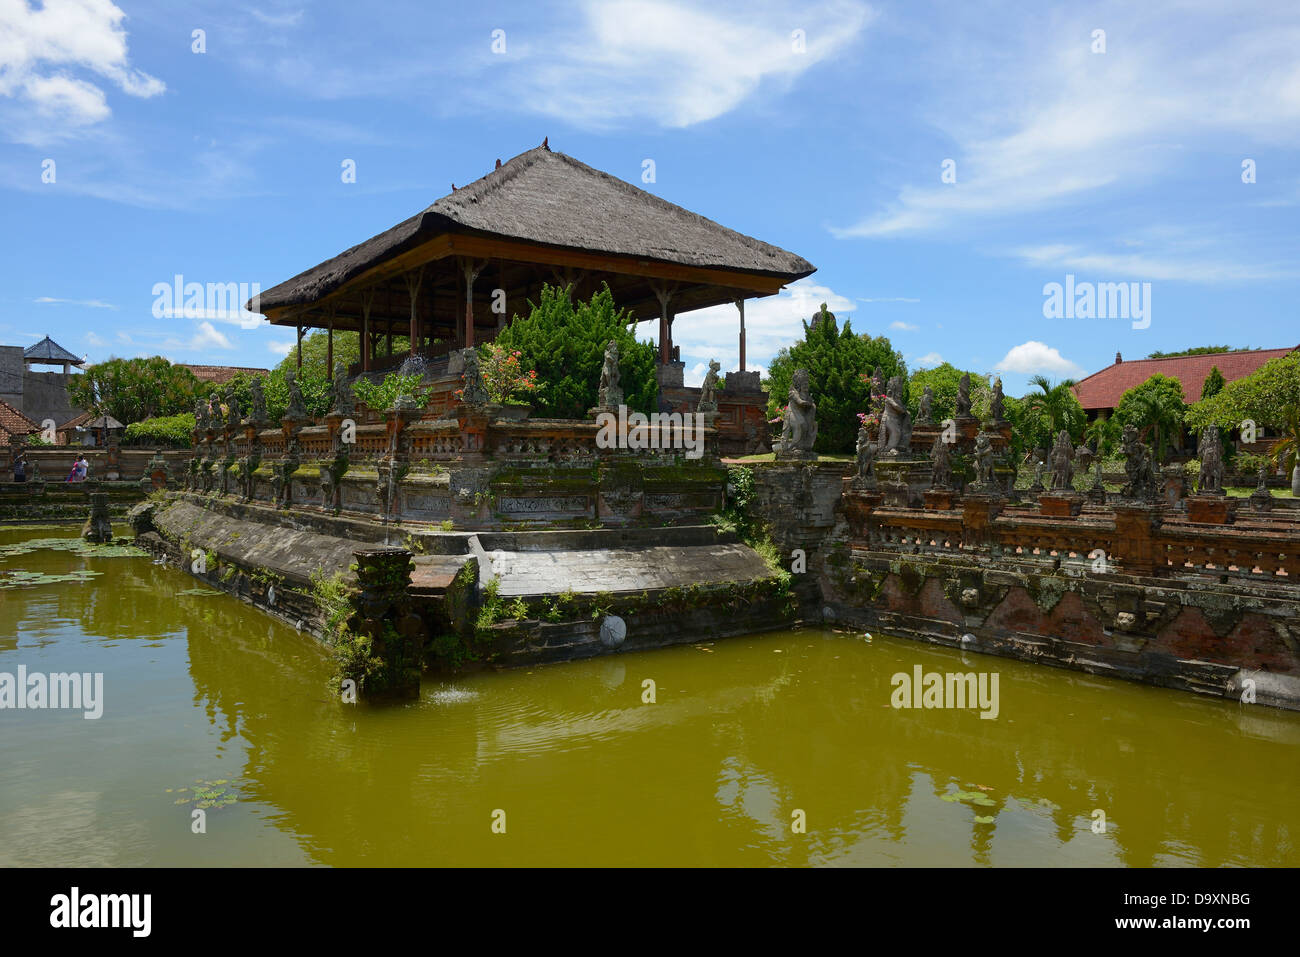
column 280, row 348
column 676, row 63
column 1189, row 267
column 1034, row 358
column 903, row 327
column 929, row 361
column 207, row 336
column 95, row 340
column 38, row 48
column 278, row 19
column 90, row 303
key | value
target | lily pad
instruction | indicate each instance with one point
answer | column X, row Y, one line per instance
column 983, row 820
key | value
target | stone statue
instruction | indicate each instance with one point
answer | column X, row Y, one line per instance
column 1084, row 456
column 984, row 462
column 923, row 415
column 1040, row 468
column 233, row 415
column 1210, row 452
column 1062, row 463
column 1262, row 484
column 708, row 391
column 214, row 410
column 285, row 469
column 475, row 391
column 940, row 464
column 895, row 421
column 799, row 426
column 258, row 413
column 995, row 404
column 1138, row 468
column 866, row 475
column 342, row 403
column 611, row 395
column 201, row 414
column 963, row 396
column 295, row 409
column 822, row 315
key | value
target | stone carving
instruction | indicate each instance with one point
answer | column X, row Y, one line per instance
column 995, row 404
column 940, row 464
column 799, row 428
column 610, row 394
column 232, row 406
column 984, row 462
column 98, row 527
column 475, row 392
column 1040, row 469
column 284, row 469
column 342, row 398
column 258, row 413
column 963, row 396
column 215, row 419
column 1210, row 452
column 201, row 414
column 822, row 315
column 1062, row 463
column 924, row 415
column 295, row 409
column 895, row 422
column 1138, row 467
column 866, row 475
column 1083, row 455
column 708, row 391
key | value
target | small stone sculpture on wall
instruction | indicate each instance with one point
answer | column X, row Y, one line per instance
column 1062, row 463
column 709, row 390
column 940, row 464
column 1210, row 452
column 799, row 426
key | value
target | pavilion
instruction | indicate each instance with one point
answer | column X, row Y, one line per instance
column 452, row 275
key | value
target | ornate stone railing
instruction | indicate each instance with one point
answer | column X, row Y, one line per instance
column 1134, row 539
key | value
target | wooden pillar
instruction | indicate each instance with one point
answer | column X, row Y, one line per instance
column 300, row 348
column 664, row 293
column 740, row 304
column 367, row 298
column 471, row 270
column 329, row 346
column 413, row 280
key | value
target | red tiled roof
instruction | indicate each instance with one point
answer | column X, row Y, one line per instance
column 1102, row 390
column 222, row 374
column 73, row 422
column 13, row 422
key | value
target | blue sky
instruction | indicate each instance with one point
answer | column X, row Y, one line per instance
column 820, row 127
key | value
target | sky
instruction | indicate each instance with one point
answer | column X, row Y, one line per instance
column 941, row 164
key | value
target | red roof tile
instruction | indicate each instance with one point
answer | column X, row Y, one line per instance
column 1102, row 390
column 222, row 374
column 13, row 422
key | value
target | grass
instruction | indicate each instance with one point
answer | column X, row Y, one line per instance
column 771, row 457
column 1247, row 492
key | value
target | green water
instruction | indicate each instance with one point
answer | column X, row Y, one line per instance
column 743, row 732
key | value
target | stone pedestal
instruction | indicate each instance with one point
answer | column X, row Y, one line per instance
column 968, row 427
column 978, row 512
column 1097, row 495
column 384, row 612
column 670, row 375
column 1173, row 485
column 858, row 507
column 1060, row 504
column 1135, row 537
column 98, row 527
column 1211, row 509
column 940, row 499
column 1261, row 500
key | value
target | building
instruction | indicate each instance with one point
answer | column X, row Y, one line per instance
column 38, row 394
column 220, row 375
column 13, row 424
column 452, row 275
column 1100, row 392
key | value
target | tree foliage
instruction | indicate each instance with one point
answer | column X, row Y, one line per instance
column 175, row 431
column 1157, row 409
column 1213, row 384
column 944, row 381
column 1048, row 410
column 837, row 360
column 1199, row 351
column 565, row 343
column 134, row 389
column 1269, row 397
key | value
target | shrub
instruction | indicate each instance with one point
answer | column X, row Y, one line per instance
column 565, row 344
column 382, row 395
column 176, row 431
column 504, row 376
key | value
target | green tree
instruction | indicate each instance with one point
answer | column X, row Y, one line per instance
column 1157, row 409
column 1213, row 383
column 1198, row 351
column 944, row 381
column 837, row 361
column 134, row 389
column 1049, row 410
column 565, row 343
column 1268, row 398
column 1104, row 435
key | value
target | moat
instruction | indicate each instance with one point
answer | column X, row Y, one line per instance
column 202, row 691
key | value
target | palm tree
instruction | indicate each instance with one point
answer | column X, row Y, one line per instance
column 1286, row 449
column 1159, row 414
column 1054, row 405
column 1104, row 434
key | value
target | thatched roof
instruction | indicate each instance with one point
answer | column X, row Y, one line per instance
column 551, row 199
column 47, row 350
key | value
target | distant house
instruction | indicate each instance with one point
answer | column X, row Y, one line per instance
column 222, row 374
column 13, row 423
column 37, row 393
column 1100, row 393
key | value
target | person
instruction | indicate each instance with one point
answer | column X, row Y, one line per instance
column 83, row 467
column 20, row 468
